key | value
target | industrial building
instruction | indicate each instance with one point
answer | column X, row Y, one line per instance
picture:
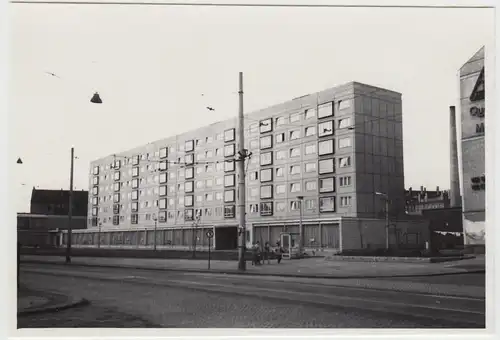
column 323, row 156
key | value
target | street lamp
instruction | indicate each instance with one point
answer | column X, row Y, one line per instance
column 99, row 236
column 386, row 198
column 301, row 227
column 156, row 225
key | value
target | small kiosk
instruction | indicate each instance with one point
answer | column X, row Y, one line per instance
column 290, row 242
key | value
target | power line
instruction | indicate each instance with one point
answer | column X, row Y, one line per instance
column 208, row 4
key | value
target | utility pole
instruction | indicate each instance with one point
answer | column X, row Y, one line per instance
column 156, row 227
column 241, row 180
column 301, row 227
column 387, row 223
column 70, row 209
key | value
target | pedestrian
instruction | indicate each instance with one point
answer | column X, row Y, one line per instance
column 255, row 254
column 267, row 253
column 279, row 252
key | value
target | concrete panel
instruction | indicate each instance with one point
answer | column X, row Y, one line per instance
column 473, row 166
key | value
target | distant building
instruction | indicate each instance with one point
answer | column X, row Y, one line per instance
column 419, row 200
column 48, row 215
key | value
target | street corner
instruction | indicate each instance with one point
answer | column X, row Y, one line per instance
column 30, row 301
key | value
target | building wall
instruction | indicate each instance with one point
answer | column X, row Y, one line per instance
column 370, row 234
column 379, row 151
column 473, row 161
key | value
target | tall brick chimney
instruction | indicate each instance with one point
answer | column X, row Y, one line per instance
column 455, row 200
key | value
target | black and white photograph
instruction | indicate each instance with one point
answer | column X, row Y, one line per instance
column 249, row 165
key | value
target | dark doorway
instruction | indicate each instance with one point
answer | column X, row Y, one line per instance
column 226, row 238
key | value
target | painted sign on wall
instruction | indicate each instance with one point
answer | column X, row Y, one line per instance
column 473, row 105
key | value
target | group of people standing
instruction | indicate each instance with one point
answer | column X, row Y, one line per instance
column 265, row 253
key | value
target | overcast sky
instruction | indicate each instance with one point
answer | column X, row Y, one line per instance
column 150, row 66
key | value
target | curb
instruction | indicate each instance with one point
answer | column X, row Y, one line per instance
column 75, row 302
column 475, row 271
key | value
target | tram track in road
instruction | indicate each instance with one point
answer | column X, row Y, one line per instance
column 459, row 311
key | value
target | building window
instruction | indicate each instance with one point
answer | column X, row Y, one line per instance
column 345, row 201
column 310, row 167
column 266, row 191
column 209, row 197
column 325, row 129
column 344, row 162
column 311, row 186
column 188, row 215
column 266, row 209
column 280, row 189
column 345, row 181
column 325, row 110
column 326, row 166
column 189, row 186
column 94, row 211
column 344, row 123
column 209, row 183
column 116, row 198
column 295, row 187
column 229, row 196
column 219, row 181
column 280, row 155
column 254, row 192
column 172, row 175
column 116, row 209
column 229, row 135
column 163, row 178
column 188, row 201
column 229, row 211
column 294, row 152
column 163, row 165
column 189, row 172
column 116, row 220
column 294, row 205
column 229, row 180
column 325, row 147
column 135, row 195
column 294, row 117
column 345, row 142
column 218, row 196
column 310, row 131
column 96, row 180
column 96, row 170
column 208, row 212
column 94, row 200
column 135, row 183
column 117, row 164
column 95, row 190
column 266, row 125
column 162, row 216
column 266, row 175
column 229, row 150
column 266, row 142
column 189, row 159
column 327, row 204
column 254, row 208
column 280, row 121
column 294, row 134
column 310, row 204
column 280, row 206
column 116, row 186
column 117, row 176
column 295, row 170
column 344, row 104
column 135, row 206
column 199, row 184
column 310, row 113
column 189, row 145
column 327, row 184
column 218, row 152
column 208, row 154
column 280, row 172
column 162, row 203
column 254, row 175
column 229, row 165
column 310, row 149
column 163, row 152
column 266, row 158
column 280, row 138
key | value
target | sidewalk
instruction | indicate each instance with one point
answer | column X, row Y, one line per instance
column 31, row 301
column 311, row 267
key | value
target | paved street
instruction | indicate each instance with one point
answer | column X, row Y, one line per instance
column 144, row 298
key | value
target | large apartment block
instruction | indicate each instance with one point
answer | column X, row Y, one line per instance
column 334, row 148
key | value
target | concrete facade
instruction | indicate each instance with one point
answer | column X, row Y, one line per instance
column 335, row 148
column 472, row 109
